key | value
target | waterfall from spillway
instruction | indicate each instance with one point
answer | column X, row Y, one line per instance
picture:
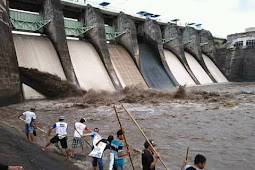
column 152, row 69
column 125, row 67
column 197, row 69
column 88, row 67
column 214, row 70
column 37, row 52
column 178, row 70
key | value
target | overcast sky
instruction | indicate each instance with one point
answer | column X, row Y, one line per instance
column 221, row 17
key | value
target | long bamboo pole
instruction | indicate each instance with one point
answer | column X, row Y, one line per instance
column 115, row 109
column 186, row 158
column 187, row 153
column 83, row 138
column 37, row 127
column 144, row 135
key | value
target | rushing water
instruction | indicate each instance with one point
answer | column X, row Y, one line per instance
column 224, row 133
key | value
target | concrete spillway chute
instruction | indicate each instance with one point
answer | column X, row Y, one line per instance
column 37, row 52
column 214, row 70
column 89, row 69
column 152, row 69
column 125, row 67
column 197, row 69
column 178, row 70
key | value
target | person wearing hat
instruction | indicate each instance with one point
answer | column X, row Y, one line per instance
column 148, row 161
column 79, row 128
column 31, row 123
column 61, row 135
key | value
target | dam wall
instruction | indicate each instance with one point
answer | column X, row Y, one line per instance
column 240, row 64
column 10, row 86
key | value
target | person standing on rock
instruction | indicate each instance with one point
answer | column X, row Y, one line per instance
column 79, row 128
column 61, row 135
column 199, row 163
column 31, row 123
column 148, row 161
column 117, row 150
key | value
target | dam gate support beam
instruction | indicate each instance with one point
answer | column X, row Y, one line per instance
column 192, row 44
column 94, row 18
column 129, row 39
column 56, row 32
column 10, row 86
column 175, row 45
column 153, row 36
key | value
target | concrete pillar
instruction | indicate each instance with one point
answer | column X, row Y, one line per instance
column 10, row 86
column 207, row 44
column 209, row 49
column 192, row 44
column 129, row 39
column 94, row 18
column 153, row 36
column 52, row 10
column 175, row 45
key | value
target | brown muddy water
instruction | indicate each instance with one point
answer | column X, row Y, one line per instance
column 217, row 121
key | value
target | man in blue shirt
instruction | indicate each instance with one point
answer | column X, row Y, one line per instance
column 117, row 150
column 95, row 140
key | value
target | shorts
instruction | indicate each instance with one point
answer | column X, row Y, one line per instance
column 29, row 129
column 99, row 162
column 118, row 167
column 62, row 141
column 77, row 141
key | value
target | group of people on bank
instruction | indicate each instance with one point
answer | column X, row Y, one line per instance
column 117, row 150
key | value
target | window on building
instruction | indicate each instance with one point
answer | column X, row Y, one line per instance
column 238, row 44
column 250, row 43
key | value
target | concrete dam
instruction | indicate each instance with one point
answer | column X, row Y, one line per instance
column 109, row 51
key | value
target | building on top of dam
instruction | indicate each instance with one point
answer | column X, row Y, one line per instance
column 243, row 39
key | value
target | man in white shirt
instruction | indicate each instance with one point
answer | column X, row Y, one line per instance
column 31, row 123
column 79, row 128
column 199, row 163
column 61, row 135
